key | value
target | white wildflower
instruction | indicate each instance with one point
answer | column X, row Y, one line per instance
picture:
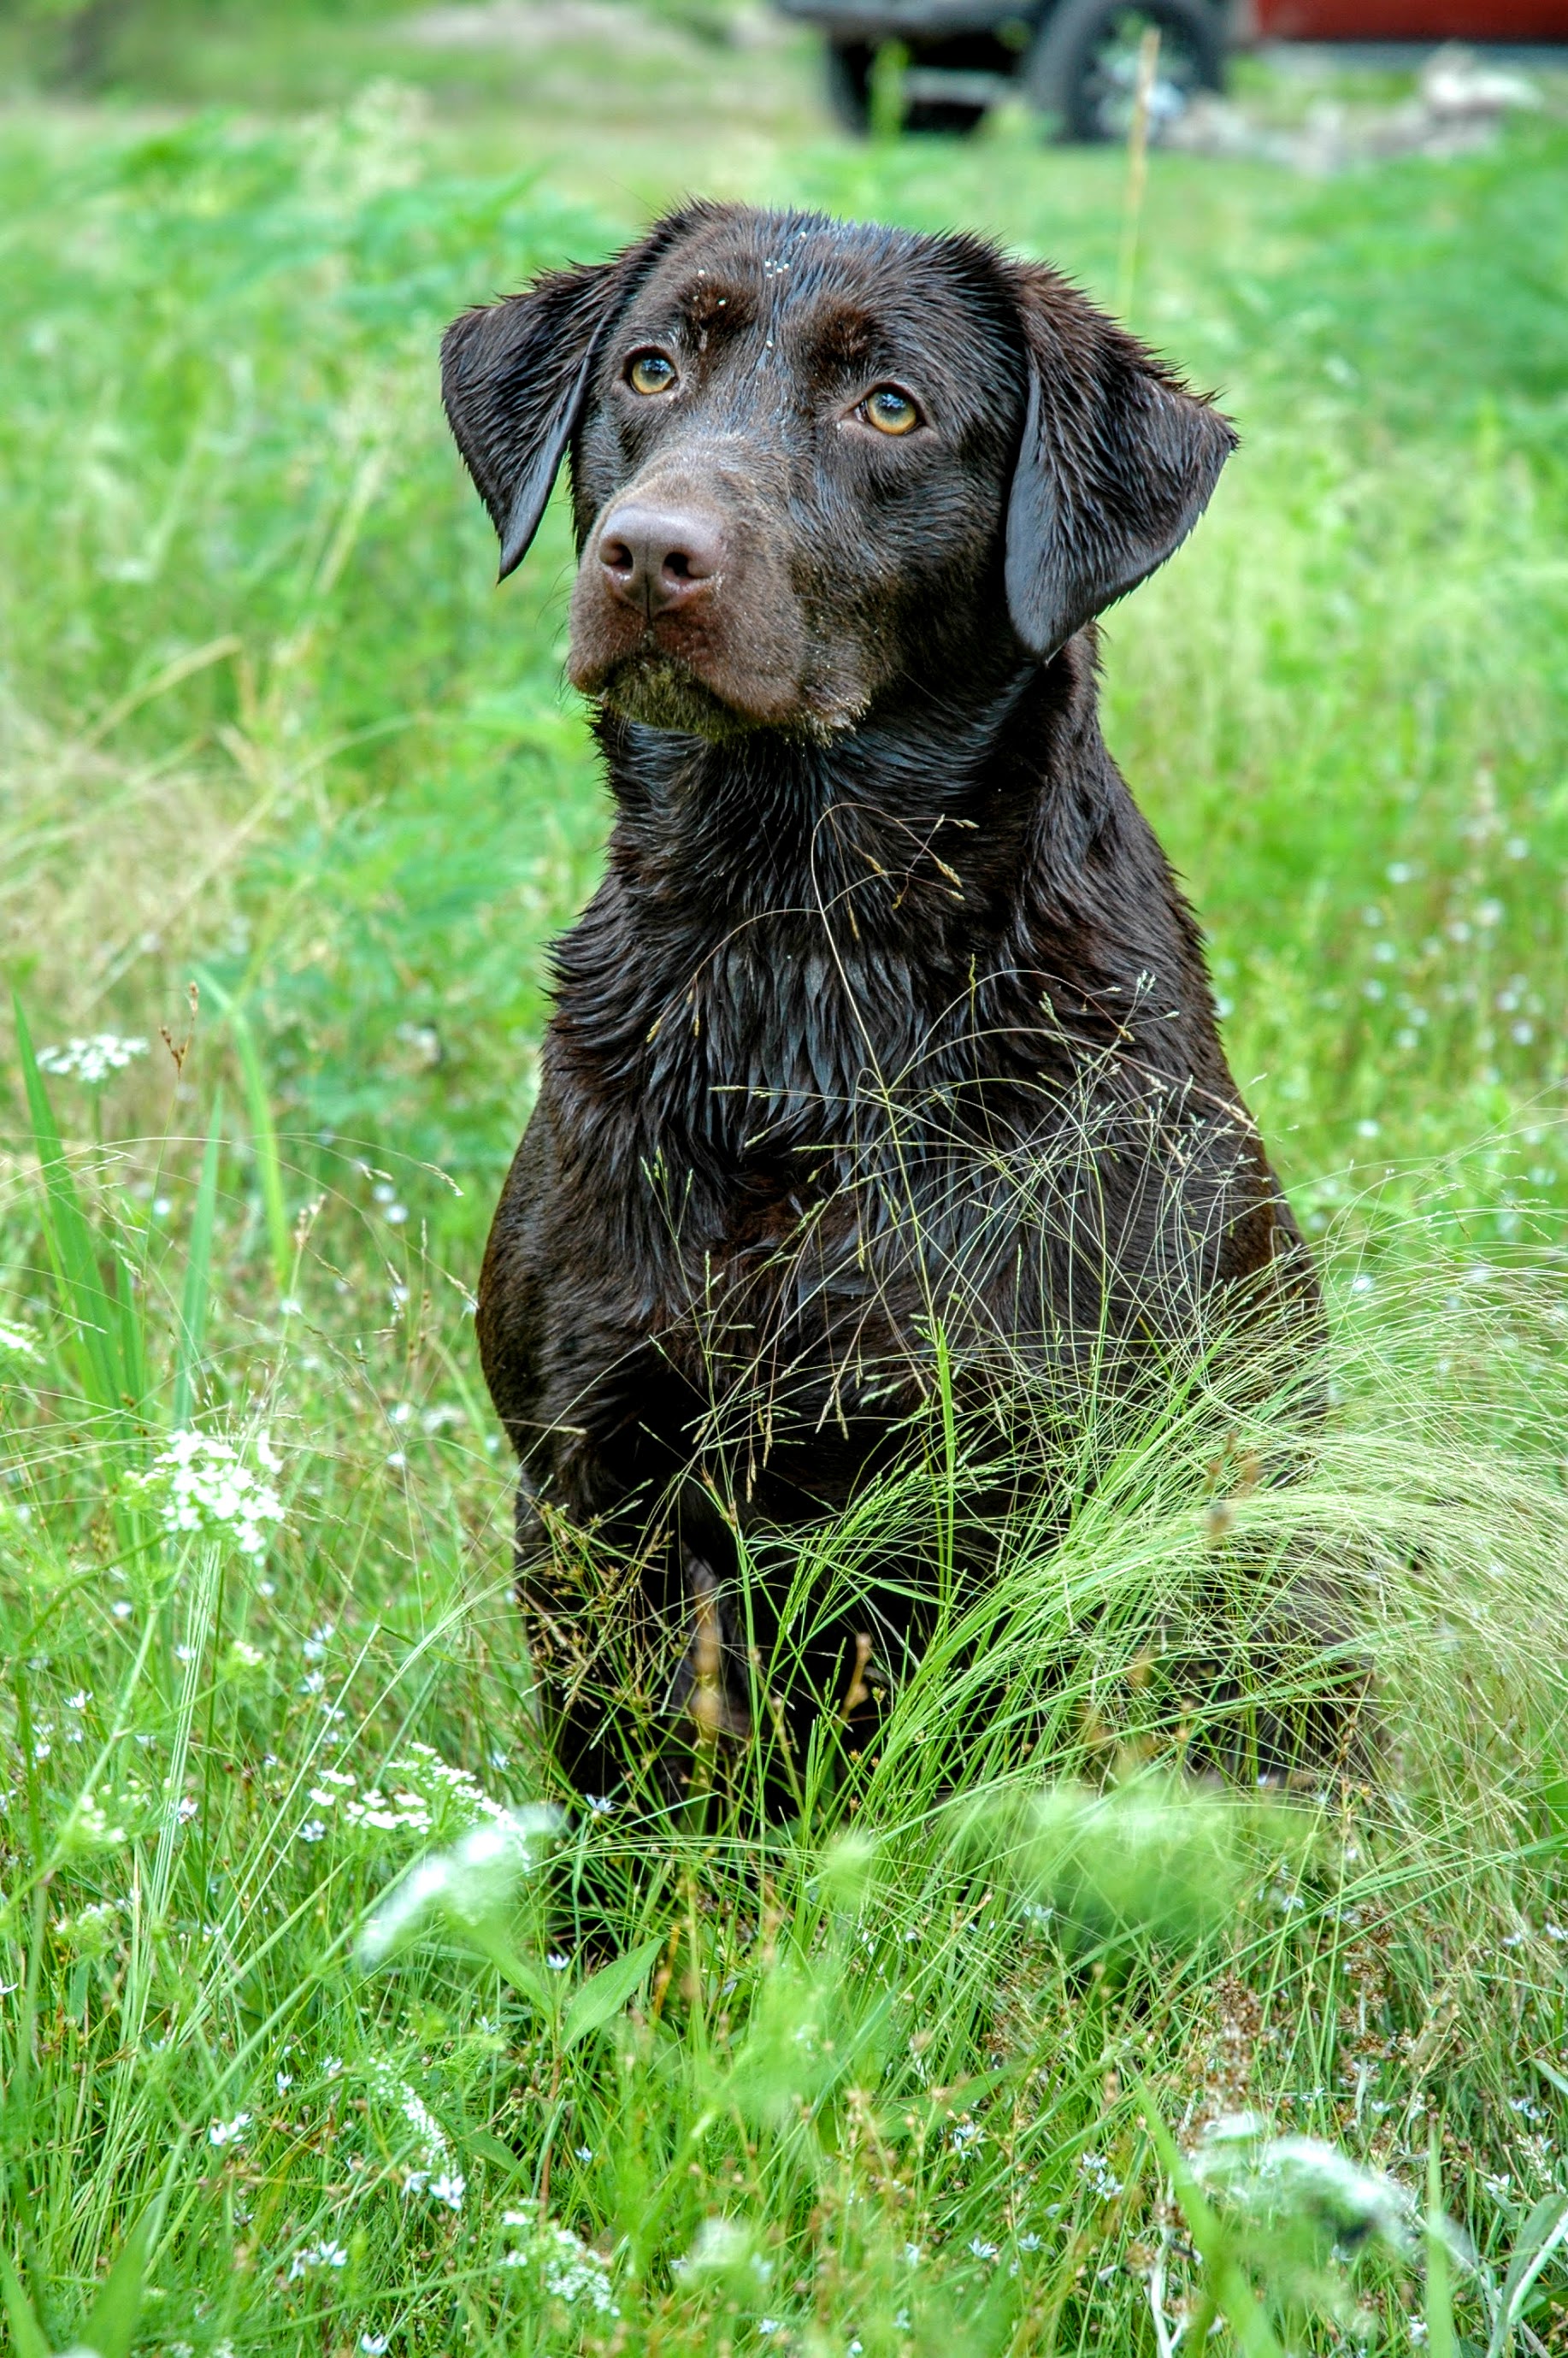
column 720, row 2244
column 569, row 2269
column 373, row 2345
column 324, row 2255
column 449, row 2187
column 202, row 1486
column 90, row 1826
column 468, row 1884
column 222, row 2133
column 1301, row 2175
column 92, row 1060
column 17, row 1341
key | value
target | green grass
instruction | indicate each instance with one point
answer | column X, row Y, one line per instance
column 265, row 727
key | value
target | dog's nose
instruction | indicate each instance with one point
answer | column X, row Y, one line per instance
column 659, row 557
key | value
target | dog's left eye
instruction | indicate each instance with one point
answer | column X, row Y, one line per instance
column 889, row 410
column 650, row 372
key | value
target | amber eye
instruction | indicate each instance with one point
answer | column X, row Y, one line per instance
column 890, row 411
column 650, row 372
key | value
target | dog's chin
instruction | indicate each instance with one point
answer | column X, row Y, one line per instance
column 663, row 691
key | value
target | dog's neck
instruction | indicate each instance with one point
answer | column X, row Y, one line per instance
column 774, row 906
column 861, row 837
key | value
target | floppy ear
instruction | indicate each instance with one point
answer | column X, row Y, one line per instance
column 514, row 376
column 1115, row 467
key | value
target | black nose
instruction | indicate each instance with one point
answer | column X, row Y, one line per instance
column 659, row 557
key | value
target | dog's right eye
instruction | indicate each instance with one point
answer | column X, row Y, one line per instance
column 650, row 372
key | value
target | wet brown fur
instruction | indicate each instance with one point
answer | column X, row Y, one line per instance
column 889, row 1013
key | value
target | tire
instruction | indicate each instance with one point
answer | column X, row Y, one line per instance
column 847, row 67
column 849, row 64
column 1085, row 67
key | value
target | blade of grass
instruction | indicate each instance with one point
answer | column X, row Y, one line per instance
column 1232, row 2293
column 263, row 1134
column 27, row 2336
column 1439, row 2290
column 197, row 1270
column 69, row 1240
column 110, row 2326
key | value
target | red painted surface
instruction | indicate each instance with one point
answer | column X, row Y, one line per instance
column 1412, row 20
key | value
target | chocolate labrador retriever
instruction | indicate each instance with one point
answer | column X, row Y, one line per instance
column 887, row 1039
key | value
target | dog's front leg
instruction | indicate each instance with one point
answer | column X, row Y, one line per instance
column 708, row 1689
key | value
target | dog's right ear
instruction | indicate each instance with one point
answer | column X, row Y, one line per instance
column 514, row 376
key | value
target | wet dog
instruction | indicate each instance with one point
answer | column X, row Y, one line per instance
column 886, row 1044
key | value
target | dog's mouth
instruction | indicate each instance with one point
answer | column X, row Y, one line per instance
column 701, row 691
column 664, row 689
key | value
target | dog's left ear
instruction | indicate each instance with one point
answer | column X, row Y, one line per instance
column 514, row 376
column 1115, row 467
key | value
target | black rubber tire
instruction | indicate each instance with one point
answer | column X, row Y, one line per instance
column 944, row 117
column 1084, row 67
column 847, row 69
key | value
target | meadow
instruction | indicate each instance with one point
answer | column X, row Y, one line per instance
column 328, row 2021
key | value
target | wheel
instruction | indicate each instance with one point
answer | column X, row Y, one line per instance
column 930, row 108
column 848, row 68
column 849, row 65
column 1085, row 69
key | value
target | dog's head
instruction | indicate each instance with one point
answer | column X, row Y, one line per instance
column 814, row 461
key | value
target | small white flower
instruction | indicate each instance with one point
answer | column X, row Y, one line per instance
column 324, row 2255
column 202, row 1486
column 91, row 1827
column 222, row 2133
column 556, row 1962
column 449, row 2188
column 982, row 2250
column 18, row 1342
column 312, row 1830
column 373, row 2345
column 92, row 1060
column 468, row 1884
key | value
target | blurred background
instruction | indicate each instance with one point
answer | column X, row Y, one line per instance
column 267, row 724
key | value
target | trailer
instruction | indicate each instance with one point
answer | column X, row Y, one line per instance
column 1077, row 61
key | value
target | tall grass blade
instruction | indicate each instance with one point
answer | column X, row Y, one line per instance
column 1543, row 2232
column 28, row 2337
column 110, row 2326
column 95, row 1311
column 263, row 1134
column 1227, row 2286
column 1440, row 2340
column 198, row 1272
